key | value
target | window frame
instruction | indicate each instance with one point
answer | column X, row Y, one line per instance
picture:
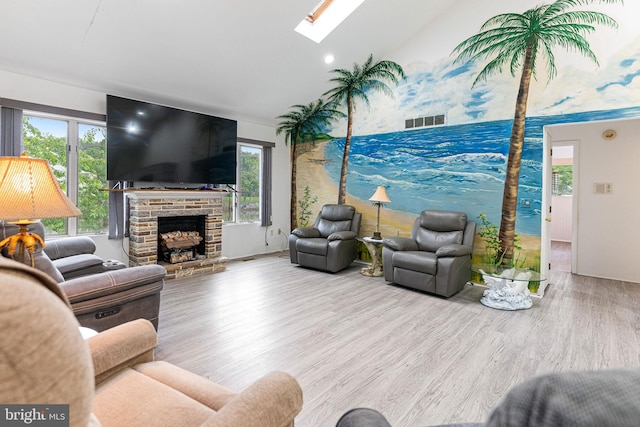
column 72, row 166
column 265, row 173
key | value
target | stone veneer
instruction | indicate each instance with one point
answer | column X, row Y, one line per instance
column 144, row 209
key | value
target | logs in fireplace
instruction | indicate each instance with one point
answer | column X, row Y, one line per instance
column 180, row 238
column 179, row 246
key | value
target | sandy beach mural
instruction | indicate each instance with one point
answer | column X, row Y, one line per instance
column 461, row 164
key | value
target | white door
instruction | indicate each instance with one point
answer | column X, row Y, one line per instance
column 545, row 229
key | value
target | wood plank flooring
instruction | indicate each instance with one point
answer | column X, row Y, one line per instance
column 353, row 341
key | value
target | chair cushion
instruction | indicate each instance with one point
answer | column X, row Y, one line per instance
column 443, row 220
column 133, row 399
column 429, row 240
column 77, row 262
column 199, row 388
column 327, row 227
column 424, row 262
column 337, row 212
column 315, row 246
column 335, row 218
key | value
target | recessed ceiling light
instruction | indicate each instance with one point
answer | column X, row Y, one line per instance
column 325, row 17
column 328, row 59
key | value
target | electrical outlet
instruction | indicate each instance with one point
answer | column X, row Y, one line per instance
column 272, row 232
column 279, row 231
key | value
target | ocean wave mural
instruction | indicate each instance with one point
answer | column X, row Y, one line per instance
column 457, row 167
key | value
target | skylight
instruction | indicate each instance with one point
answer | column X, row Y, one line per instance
column 325, row 17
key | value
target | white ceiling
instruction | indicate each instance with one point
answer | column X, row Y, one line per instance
column 240, row 59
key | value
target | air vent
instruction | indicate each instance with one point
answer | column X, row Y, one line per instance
column 426, row 121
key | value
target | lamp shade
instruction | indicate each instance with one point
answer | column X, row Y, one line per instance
column 380, row 195
column 29, row 190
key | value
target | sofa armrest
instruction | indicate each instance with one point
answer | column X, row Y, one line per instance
column 399, row 243
column 69, row 246
column 306, row 232
column 342, row 235
column 97, row 285
column 453, row 250
column 272, row 401
column 121, row 347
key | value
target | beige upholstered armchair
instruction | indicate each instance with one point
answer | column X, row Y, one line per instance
column 329, row 245
column 112, row 378
column 437, row 256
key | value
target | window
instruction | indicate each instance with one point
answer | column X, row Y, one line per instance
column 562, row 180
column 325, row 17
column 76, row 151
column 250, row 202
column 244, row 205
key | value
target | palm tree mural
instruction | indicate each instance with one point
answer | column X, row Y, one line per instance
column 521, row 41
column 352, row 86
column 301, row 125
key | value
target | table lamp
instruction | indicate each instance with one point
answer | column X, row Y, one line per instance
column 28, row 192
column 379, row 198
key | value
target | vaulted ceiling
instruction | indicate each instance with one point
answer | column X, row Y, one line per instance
column 239, row 59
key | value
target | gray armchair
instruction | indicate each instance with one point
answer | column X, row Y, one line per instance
column 71, row 256
column 329, row 245
column 437, row 256
column 111, row 296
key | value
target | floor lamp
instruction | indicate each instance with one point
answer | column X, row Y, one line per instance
column 379, row 198
column 28, row 192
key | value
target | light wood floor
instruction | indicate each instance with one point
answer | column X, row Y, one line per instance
column 354, row 341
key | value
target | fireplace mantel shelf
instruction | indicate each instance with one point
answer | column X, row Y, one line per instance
column 174, row 194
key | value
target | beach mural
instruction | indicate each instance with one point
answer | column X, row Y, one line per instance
column 443, row 143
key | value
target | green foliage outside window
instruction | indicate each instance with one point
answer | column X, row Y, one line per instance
column 562, row 180
column 248, row 195
column 249, row 184
column 92, row 201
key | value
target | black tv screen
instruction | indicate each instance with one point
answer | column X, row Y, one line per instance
column 157, row 144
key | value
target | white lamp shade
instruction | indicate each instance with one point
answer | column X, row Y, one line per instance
column 380, row 195
column 29, row 190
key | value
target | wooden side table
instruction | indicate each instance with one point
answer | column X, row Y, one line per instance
column 373, row 246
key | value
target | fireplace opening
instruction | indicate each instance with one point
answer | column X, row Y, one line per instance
column 186, row 236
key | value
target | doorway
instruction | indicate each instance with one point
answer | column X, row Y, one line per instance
column 562, row 203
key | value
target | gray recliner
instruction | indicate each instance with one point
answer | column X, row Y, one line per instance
column 437, row 256
column 111, row 296
column 610, row 397
column 329, row 245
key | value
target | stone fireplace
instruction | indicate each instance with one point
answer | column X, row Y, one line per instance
column 145, row 207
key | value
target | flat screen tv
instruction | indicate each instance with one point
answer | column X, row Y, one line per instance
column 149, row 143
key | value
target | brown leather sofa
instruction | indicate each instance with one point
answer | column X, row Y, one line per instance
column 112, row 379
column 106, row 299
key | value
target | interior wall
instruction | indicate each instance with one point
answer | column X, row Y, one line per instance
column 238, row 240
column 607, row 230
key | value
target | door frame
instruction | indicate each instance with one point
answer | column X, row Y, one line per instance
column 545, row 250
